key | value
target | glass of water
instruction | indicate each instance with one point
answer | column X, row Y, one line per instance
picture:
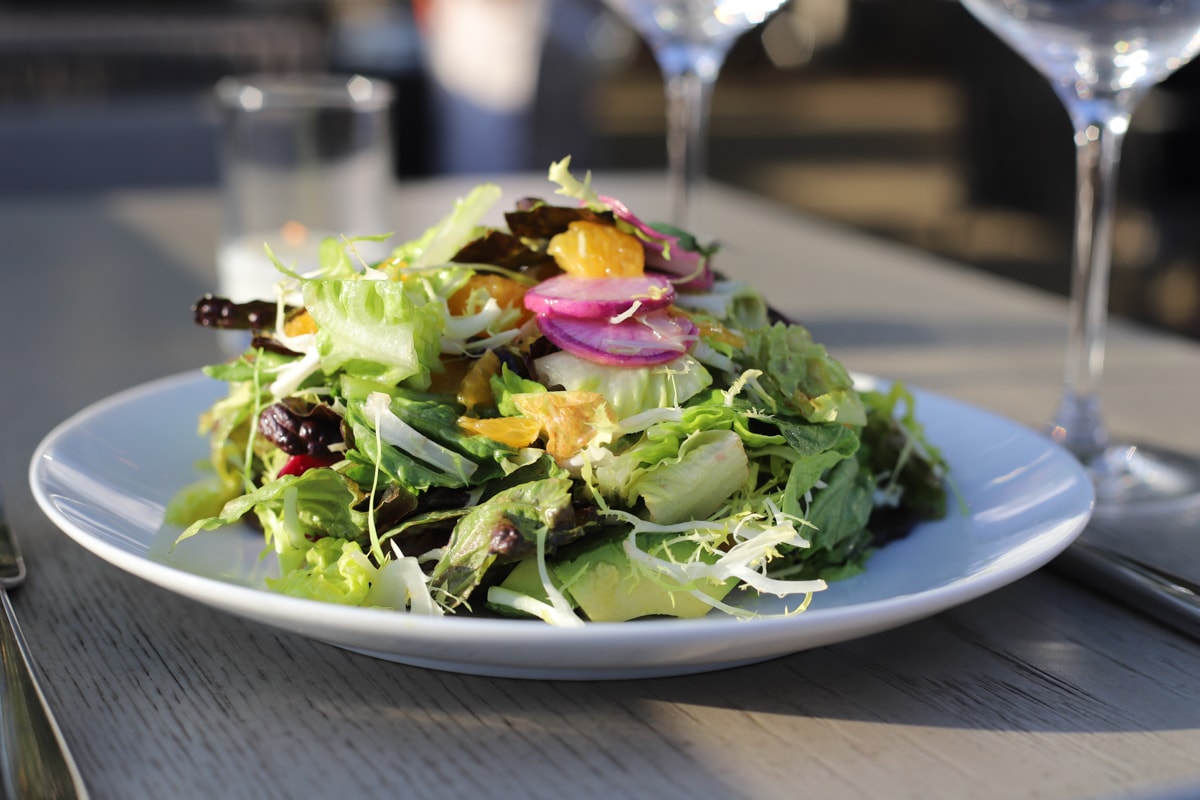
column 303, row 157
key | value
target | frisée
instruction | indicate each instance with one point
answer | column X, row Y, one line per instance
column 571, row 418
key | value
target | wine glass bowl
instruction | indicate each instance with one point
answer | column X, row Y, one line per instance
column 1102, row 57
column 1092, row 47
column 690, row 40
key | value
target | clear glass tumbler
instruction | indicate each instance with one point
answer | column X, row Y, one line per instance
column 303, row 157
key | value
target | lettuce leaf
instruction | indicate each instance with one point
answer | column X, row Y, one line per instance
column 709, row 468
column 819, row 448
column 798, row 374
column 338, row 571
column 627, row 390
column 295, row 511
column 570, row 186
column 508, row 383
column 441, row 241
column 330, row 572
column 504, row 528
column 433, row 450
column 912, row 470
column 374, row 329
column 839, row 538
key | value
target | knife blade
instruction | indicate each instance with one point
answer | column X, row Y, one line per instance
column 1168, row 598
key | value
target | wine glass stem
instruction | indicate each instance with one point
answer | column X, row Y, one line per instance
column 689, row 95
column 1098, row 139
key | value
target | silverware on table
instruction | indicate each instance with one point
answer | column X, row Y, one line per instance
column 34, row 760
column 1171, row 599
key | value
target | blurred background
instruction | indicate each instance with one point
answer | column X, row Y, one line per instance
column 904, row 118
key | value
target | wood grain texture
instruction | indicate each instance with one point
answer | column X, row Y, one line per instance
column 1039, row 690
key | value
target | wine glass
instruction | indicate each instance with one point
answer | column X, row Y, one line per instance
column 690, row 39
column 1101, row 57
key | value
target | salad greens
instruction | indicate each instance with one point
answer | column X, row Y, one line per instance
column 467, row 427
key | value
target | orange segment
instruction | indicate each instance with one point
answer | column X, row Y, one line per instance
column 475, row 388
column 299, row 323
column 507, row 293
column 512, row 431
column 596, row 250
column 569, row 419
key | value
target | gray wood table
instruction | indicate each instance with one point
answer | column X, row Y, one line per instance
column 1041, row 689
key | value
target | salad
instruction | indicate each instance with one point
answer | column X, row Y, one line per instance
column 570, row 418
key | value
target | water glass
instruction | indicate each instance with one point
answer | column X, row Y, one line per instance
column 303, row 157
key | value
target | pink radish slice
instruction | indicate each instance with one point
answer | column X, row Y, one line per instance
column 682, row 263
column 599, row 298
column 640, row 341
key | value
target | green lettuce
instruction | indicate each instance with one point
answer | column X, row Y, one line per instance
column 504, row 528
column 734, row 303
column 295, row 511
column 570, row 186
column 709, row 468
column 333, row 571
column 375, row 329
column 895, row 447
column 798, row 374
column 415, row 440
column 818, row 449
column 627, row 390
column 839, row 538
column 508, row 383
column 441, row 241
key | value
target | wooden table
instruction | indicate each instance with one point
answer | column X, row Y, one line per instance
column 1041, row 689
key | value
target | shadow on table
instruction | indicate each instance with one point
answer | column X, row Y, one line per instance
column 977, row 667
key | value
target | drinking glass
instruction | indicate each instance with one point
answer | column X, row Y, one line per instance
column 1101, row 57
column 303, row 157
column 690, row 39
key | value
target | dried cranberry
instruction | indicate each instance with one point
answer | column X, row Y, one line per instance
column 298, row 465
column 300, row 428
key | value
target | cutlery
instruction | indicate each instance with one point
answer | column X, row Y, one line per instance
column 1171, row 599
column 33, row 753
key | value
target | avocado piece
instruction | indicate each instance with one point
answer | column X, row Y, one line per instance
column 601, row 582
column 523, row 579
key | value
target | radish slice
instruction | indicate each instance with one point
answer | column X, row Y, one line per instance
column 641, row 341
column 599, row 298
column 682, row 263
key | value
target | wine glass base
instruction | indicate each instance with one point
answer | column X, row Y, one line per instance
column 1144, row 536
column 1139, row 479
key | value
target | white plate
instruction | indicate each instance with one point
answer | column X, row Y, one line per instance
column 105, row 475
